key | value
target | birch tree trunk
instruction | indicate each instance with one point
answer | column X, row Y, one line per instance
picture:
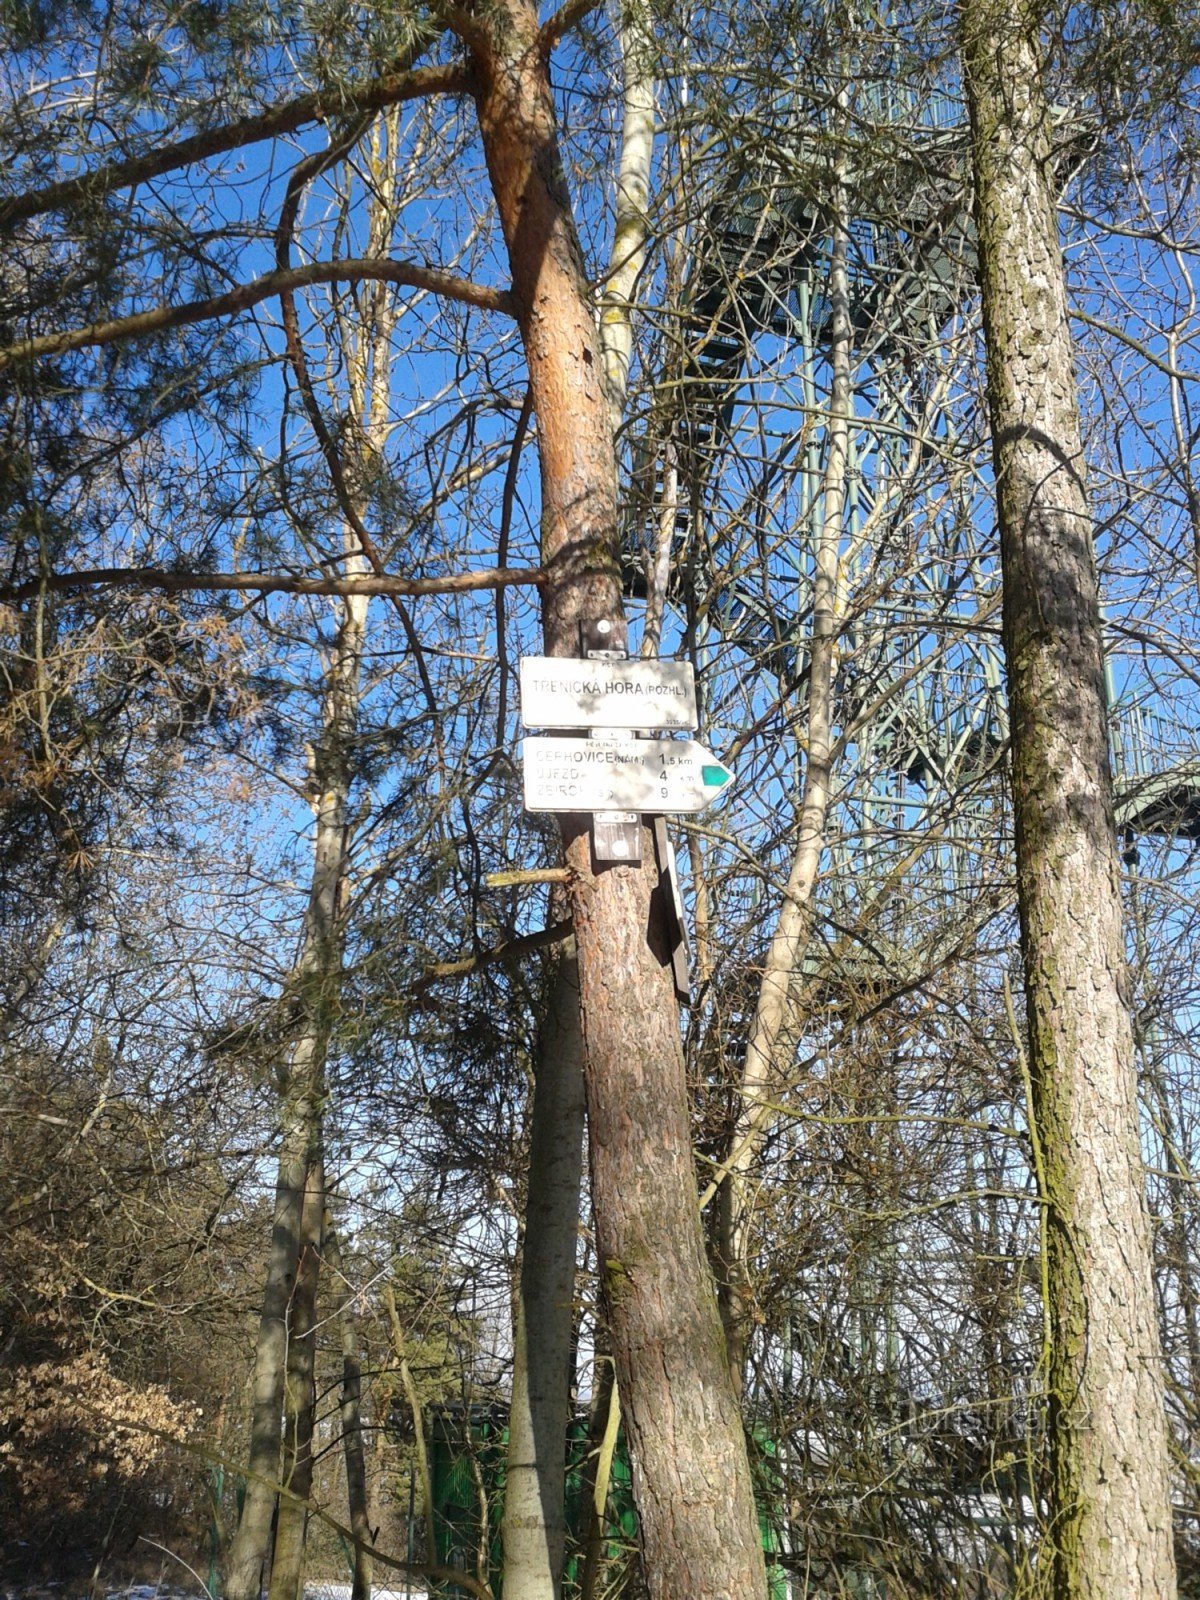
column 789, row 942
column 1110, row 1513
column 534, row 1532
column 633, row 198
column 691, row 1472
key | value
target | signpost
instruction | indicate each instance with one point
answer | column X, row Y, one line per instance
column 642, row 775
column 606, row 698
column 557, row 692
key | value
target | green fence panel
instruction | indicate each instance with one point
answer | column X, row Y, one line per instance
column 467, row 1451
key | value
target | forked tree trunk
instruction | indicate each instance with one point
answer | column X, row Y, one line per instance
column 534, row 1531
column 691, row 1472
column 1110, row 1514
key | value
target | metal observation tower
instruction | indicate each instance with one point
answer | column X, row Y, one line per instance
column 920, row 702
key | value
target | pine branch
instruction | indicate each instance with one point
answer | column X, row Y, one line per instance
column 392, row 89
column 266, row 582
column 162, row 318
column 563, row 20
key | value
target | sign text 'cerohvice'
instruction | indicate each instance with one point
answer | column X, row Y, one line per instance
column 636, row 775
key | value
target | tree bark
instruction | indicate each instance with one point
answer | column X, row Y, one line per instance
column 316, row 981
column 287, row 1562
column 691, row 1471
column 350, row 1407
column 1110, row 1514
column 534, row 1533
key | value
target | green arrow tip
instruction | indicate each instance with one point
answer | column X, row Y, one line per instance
column 714, row 777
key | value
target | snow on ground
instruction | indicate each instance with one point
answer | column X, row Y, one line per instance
column 318, row 1590
column 315, row 1589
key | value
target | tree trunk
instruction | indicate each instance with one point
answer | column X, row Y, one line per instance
column 315, row 988
column 691, row 1471
column 789, row 943
column 350, row 1406
column 287, row 1562
column 534, row 1495
column 534, row 1534
column 1110, row 1528
column 248, row 1552
column 633, row 195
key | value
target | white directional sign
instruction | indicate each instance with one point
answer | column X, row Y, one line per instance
column 621, row 775
column 557, row 692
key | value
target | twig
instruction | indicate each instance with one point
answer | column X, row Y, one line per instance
column 173, row 1556
column 513, row 876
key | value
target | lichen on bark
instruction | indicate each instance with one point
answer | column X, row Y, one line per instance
column 1109, row 1526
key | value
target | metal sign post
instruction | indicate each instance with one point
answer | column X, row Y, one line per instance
column 616, row 834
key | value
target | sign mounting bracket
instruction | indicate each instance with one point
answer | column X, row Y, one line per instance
column 616, row 835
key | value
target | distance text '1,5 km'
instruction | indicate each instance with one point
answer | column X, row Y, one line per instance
column 633, row 775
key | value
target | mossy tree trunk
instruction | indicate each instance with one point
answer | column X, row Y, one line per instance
column 1110, row 1515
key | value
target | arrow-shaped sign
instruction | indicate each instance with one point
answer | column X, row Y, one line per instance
column 645, row 775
